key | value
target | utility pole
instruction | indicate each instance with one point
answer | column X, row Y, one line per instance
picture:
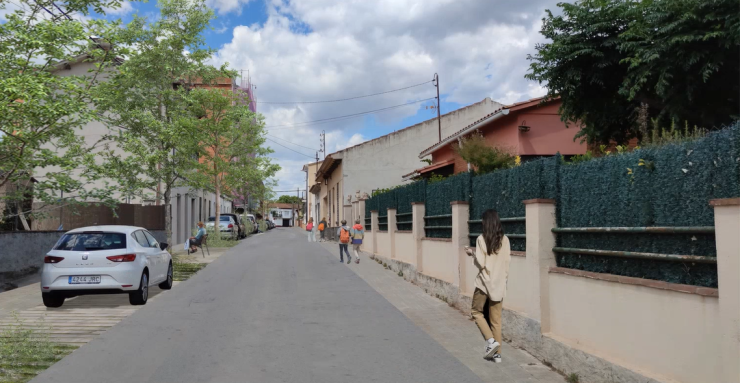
column 322, row 144
column 439, row 120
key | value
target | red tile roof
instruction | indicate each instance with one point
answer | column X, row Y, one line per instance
column 515, row 106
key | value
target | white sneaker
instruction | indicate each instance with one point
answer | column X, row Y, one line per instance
column 491, row 349
column 496, row 358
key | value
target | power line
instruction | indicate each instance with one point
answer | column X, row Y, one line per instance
column 325, row 120
column 282, row 139
column 341, row 99
column 290, row 148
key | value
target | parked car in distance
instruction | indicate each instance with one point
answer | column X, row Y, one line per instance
column 239, row 224
column 105, row 260
column 270, row 225
column 227, row 226
column 254, row 223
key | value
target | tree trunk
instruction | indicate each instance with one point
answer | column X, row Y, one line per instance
column 217, row 223
column 168, row 215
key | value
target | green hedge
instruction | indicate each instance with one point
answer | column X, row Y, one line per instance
column 405, row 195
column 438, row 197
column 504, row 191
column 666, row 186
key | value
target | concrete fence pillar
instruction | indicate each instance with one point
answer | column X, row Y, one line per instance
column 540, row 215
column 727, row 236
column 460, row 239
column 417, row 213
column 361, row 211
column 374, row 229
column 392, row 231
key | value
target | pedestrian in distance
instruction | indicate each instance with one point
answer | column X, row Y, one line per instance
column 491, row 257
column 309, row 229
column 195, row 241
column 358, row 234
column 322, row 228
column 344, row 240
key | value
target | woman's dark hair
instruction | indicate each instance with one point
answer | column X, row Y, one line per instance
column 493, row 233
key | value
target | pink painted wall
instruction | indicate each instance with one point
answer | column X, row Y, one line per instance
column 547, row 135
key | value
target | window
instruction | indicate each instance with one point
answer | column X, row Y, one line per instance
column 88, row 241
column 223, row 218
column 140, row 238
column 150, row 238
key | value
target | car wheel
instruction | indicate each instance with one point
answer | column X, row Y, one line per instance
column 140, row 296
column 52, row 299
column 167, row 284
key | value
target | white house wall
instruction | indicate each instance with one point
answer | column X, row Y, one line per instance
column 381, row 163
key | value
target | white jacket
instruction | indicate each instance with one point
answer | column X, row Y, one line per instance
column 493, row 269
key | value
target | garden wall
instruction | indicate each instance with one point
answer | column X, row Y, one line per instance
column 622, row 270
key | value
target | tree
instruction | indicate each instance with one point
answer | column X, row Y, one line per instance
column 290, row 199
column 43, row 108
column 486, row 158
column 230, row 140
column 146, row 97
column 609, row 58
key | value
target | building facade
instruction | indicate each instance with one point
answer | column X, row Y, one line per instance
column 382, row 162
column 311, row 207
column 529, row 129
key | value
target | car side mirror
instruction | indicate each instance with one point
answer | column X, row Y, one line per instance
column 163, row 246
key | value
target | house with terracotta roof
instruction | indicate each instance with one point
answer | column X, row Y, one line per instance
column 348, row 174
column 529, row 129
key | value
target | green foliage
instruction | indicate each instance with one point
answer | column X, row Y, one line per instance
column 289, row 199
column 661, row 136
column 427, row 161
column 504, row 191
column 573, row 378
column 672, row 187
column 43, row 107
column 152, row 117
column 476, row 151
column 26, row 351
column 610, row 59
column 435, row 178
column 229, row 139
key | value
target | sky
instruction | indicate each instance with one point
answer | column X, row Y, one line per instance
column 317, row 50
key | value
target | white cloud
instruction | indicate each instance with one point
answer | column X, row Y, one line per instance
column 328, row 49
column 123, row 10
column 227, row 6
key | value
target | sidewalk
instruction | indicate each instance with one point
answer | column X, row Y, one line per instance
column 450, row 328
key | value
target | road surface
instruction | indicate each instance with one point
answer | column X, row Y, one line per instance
column 272, row 309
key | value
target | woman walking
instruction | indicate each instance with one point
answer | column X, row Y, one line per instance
column 322, row 228
column 309, row 229
column 358, row 234
column 491, row 257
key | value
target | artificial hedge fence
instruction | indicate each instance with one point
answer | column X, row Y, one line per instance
column 669, row 185
column 438, row 209
column 405, row 196
column 504, row 191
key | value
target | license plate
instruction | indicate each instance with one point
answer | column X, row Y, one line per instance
column 84, row 280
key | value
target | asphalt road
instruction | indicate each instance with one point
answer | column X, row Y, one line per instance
column 273, row 309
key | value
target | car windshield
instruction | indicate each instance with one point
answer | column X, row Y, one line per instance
column 91, row 241
column 223, row 219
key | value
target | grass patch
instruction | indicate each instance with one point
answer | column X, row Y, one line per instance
column 25, row 352
column 573, row 378
column 216, row 240
column 182, row 271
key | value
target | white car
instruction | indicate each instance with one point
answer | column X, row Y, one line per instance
column 228, row 226
column 105, row 260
